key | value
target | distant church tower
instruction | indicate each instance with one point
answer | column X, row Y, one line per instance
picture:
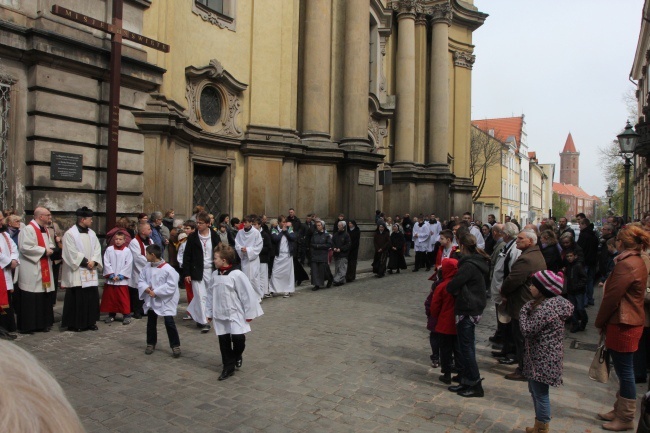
column 570, row 163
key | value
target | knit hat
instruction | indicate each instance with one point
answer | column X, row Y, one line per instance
column 548, row 283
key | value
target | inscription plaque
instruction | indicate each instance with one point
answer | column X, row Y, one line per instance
column 366, row 177
column 66, row 166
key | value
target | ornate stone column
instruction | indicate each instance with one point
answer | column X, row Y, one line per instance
column 405, row 82
column 316, row 70
column 421, row 85
column 355, row 75
column 441, row 16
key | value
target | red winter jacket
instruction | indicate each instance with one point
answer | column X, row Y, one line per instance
column 442, row 304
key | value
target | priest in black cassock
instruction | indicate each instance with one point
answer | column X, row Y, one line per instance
column 82, row 264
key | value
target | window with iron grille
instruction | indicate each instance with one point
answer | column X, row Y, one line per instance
column 209, row 188
column 5, row 91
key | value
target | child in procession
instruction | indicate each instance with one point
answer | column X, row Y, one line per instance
column 231, row 305
column 118, row 266
column 158, row 288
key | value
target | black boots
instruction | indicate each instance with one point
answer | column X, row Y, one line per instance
column 473, row 391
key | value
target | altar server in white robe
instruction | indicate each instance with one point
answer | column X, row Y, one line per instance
column 35, row 296
column 82, row 263
column 158, row 289
column 421, row 235
column 231, row 305
column 284, row 248
column 434, row 236
column 249, row 244
column 118, row 268
column 138, row 246
column 8, row 262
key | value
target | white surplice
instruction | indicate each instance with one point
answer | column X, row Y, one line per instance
column 231, row 300
column 8, row 252
column 118, row 262
column 29, row 275
column 76, row 247
column 282, row 277
column 139, row 259
column 421, row 241
column 163, row 279
column 250, row 260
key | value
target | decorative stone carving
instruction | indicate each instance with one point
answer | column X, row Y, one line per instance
column 441, row 13
column 407, row 7
column 378, row 130
column 464, row 59
column 212, row 17
column 421, row 19
column 383, row 20
column 230, row 91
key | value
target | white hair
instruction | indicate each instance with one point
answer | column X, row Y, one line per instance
column 342, row 222
column 31, row 400
column 530, row 234
column 510, row 229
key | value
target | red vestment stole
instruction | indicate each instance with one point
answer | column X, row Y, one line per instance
column 4, row 293
column 45, row 264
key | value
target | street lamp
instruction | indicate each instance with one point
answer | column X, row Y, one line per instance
column 627, row 143
column 609, row 192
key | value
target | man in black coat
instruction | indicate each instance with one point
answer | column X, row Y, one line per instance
column 607, row 232
column 197, row 265
column 588, row 241
column 407, row 226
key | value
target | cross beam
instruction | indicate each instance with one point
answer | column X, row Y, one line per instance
column 117, row 33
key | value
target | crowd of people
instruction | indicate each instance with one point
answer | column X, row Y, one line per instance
column 540, row 278
column 540, row 287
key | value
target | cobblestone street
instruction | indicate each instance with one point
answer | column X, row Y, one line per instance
column 348, row 359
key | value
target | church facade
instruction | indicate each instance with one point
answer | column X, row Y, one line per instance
column 326, row 106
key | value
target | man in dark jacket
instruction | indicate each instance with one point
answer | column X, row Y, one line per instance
column 588, row 241
column 516, row 290
column 607, row 232
column 564, row 227
column 197, row 265
column 321, row 242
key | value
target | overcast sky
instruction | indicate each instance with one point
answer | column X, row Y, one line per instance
column 565, row 66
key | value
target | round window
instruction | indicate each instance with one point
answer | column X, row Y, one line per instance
column 210, row 105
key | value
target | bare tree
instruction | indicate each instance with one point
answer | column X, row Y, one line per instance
column 485, row 153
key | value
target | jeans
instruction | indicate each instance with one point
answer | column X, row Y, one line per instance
column 232, row 347
column 541, row 401
column 467, row 349
column 170, row 326
column 591, row 275
column 579, row 312
column 624, row 367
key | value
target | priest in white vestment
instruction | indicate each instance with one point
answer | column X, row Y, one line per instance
column 9, row 261
column 82, row 264
column 35, row 296
column 421, row 235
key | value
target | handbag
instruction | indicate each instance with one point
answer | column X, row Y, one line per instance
column 599, row 369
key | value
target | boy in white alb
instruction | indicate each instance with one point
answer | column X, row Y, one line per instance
column 118, row 267
column 249, row 244
column 158, row 289
column 231, row 304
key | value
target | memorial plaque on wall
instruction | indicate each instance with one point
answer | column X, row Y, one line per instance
column 66, row 166
column 366, row 177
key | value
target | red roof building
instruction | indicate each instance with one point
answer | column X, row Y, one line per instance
column 577, row 199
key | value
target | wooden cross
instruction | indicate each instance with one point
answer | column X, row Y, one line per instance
column 117, row 33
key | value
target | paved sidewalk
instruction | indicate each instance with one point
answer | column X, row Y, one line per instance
column 347, row 359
